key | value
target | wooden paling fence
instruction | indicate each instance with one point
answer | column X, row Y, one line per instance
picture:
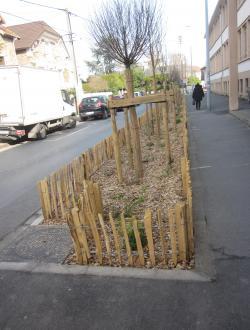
column 161, row 238
column 60, row 191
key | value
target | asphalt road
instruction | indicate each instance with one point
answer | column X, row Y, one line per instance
column 22, row 165
column 220, row 162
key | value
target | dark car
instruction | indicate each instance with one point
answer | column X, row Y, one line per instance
column 118, row 97
column 94, row 107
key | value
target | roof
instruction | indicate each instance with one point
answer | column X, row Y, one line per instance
column 30, row 32
column 8, row 32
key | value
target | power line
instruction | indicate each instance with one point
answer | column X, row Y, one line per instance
column 30, row 21
column 55, row 8
column 41, row 5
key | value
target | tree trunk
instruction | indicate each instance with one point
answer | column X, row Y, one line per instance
column 135, row 134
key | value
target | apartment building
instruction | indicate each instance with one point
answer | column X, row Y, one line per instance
column 229, row 43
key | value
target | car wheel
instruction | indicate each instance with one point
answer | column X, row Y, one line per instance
column 105, row 114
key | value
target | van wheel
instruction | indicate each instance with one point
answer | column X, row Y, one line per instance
column 42, row 133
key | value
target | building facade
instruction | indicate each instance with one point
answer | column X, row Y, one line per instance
column 229, row 43
column 7, row 47
column 41, row 46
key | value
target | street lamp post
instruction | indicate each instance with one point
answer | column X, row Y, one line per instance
column 207, row 59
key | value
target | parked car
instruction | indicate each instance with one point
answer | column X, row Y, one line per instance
column 94, row 107
column 118, row 97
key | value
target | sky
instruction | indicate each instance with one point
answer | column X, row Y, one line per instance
column 185, row 18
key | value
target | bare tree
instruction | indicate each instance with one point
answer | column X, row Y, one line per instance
column 123, row 29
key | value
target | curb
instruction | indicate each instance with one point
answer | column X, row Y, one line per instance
column 124, row 272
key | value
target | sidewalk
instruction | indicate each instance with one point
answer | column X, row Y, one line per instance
column 220, row 162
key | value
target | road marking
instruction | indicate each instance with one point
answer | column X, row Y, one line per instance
column 67, row 135
column 14, row 146
column 200, row 168
column 241, row 165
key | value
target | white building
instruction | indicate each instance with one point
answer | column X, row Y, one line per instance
column 229, row 44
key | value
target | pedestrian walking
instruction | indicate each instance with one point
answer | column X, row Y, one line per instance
column 198, row 95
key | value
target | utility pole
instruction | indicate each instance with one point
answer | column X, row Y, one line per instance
column 68, row 13
column 208, row 59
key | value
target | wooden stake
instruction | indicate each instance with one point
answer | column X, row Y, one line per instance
column 173, row 239
column 125, row 234
column 172, row 106
column 163, row 245
column 42, row 199
column 149, row 234
column 157, row 122
column 181, row 227
column 81, row 236
column 77, row 248
column 190, row 223
column 128, row 138
column 98, row 198
column 116, row 147
column 138, row 242
column 107, row 243
column 166, row 132
column 116, row 238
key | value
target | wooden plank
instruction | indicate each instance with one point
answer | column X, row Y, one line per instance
column 149, row 234
column 163, row 245
column 105, row 234
column 138, row 242
column 125, row 234
column 173, row 238
column 132, row 101
column 116, row 147
column 180, row 218
column 116, row 238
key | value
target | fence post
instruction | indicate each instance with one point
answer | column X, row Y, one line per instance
column 163, row 247
column 166, row 132
column 148, row 230
column 138, row 242
column 116, row 146
column 128, row 138
column 116, row 238
column 173, row 240
column 181, row 227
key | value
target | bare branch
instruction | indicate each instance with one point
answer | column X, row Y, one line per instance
column 124, row 29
